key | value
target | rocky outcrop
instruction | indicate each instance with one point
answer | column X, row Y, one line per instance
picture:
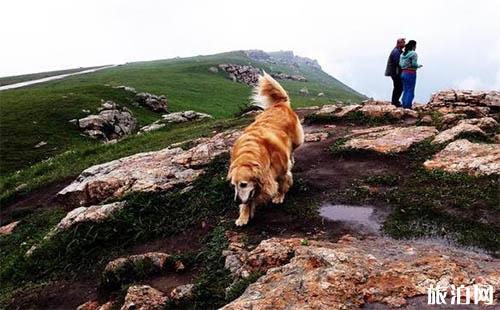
column 144, row 297
column 353, row 273
column 467, row 157
column 465, row 98
column 250, row 75
column 93, row 214
column 456, row 131
column 369, row 109
column 293, row 77
column 153, row 102
column 146, row 172
column 283, row 57
column 389, row 139
column 128, row 269
column 111, row 123
column 476, row 126
column 242, row 73
column 174, row 118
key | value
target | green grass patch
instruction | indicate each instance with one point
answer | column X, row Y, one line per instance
column 41, row 112
column 71, row 163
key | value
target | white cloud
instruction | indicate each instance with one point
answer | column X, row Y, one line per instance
column 350, row 39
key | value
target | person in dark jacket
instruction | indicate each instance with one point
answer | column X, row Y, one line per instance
column 394, row 71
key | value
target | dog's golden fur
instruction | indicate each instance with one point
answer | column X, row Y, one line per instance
column 261, row 158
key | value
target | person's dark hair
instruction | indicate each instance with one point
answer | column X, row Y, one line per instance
column 410, row 46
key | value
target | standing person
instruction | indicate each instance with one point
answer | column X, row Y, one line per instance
column 394, row 71
column 409, row 65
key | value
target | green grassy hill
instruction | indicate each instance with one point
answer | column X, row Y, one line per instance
column 7, row 80
column 41, row 112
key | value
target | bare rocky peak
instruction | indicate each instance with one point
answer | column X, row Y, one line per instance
column 285, row 57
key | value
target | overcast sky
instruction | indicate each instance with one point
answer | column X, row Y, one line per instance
column 458, row 40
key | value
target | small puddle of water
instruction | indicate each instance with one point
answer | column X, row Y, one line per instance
column 364, row 216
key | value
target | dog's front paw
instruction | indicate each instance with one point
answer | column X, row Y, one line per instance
column 278, row 198
column 241, row 222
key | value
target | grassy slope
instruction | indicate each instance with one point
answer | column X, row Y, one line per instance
column 73, row 162
column 41, row 112
column 7, row 80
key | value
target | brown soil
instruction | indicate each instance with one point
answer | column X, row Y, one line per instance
column 40, row 198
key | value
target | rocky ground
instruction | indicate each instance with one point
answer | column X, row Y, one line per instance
column 155, row 229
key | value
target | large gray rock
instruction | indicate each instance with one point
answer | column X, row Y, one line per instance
column 112, row 122
column 153, row 102
column 242, row 73
column 146, row 172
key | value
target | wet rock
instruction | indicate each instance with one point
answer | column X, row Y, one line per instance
column 352, row 273
column 127, row 269
column 388, row 139
column 9, row 228
column 467, row 157
column 146, row 172
column 321, row 94
column 112, row 122
column 182, row 292
column 144, row 297
column 241, row 73
column 153, row 102
column 95, row 214
column 304, row 91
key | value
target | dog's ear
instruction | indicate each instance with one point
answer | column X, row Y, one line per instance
column 266, row 182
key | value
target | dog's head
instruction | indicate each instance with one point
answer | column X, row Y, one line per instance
column 245, row 183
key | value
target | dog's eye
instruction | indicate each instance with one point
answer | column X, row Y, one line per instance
column 243, row 185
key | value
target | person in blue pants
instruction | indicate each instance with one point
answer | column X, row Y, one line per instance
column 409, row 65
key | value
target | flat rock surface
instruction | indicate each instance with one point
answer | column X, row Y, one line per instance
column 352, row 273
column 146, row 172
column 388, row 139
column 468, row 157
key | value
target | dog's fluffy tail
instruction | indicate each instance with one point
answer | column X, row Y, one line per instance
column 269, row 92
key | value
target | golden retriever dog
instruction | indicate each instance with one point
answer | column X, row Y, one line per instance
column 261, row 158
